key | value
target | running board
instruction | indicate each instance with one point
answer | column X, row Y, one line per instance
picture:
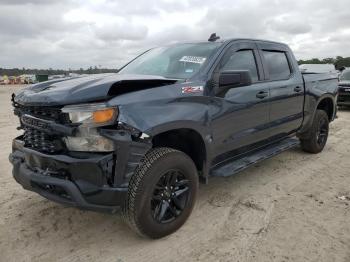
column 237, row 165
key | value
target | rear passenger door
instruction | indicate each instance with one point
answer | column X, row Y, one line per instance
column 286, row 89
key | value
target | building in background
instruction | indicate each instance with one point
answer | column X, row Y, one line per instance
column 42, row 77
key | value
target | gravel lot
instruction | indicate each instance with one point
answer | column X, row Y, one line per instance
column 293, row 207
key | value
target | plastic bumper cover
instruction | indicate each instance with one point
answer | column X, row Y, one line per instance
column 73, row 181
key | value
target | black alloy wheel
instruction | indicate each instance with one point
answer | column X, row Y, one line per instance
column 316, row 137
column 322, row 132
column 162, row 193
column 170, row 196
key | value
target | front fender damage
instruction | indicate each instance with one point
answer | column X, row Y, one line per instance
column 130, row 150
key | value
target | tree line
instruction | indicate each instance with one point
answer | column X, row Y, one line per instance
column 338, row 61
column 50, row 71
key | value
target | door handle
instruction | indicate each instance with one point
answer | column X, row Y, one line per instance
column 262, row 94
column 297, row 89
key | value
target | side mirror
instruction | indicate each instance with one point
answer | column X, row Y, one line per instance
column 231, row 79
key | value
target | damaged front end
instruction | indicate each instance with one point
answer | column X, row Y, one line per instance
column 76, row 157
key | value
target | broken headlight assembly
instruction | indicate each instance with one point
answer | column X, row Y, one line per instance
column 90, row 116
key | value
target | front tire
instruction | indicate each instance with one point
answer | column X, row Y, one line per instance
column 318, row 135
column 162, row 193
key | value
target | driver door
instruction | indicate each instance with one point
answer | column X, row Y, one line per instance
column 242, row 114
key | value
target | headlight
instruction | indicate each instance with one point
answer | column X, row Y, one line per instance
column 91, row 114
column 88, row 140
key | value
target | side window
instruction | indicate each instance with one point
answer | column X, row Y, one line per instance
column 242, row 60
column 277, row 64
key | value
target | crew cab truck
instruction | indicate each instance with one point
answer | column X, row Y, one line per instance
column 140, row 140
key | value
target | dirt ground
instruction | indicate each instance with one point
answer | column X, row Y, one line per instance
column 293, row 207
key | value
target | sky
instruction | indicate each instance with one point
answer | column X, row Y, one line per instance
column 64, row 34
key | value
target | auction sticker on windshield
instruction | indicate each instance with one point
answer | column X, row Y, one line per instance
column 193, row 59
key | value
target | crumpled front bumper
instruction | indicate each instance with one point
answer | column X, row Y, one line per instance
column 81, row 180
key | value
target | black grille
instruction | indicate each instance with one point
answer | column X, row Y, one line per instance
column 343, row 94
column 41, row 141
column 47, row 113
column 343, row 99
column 37, row 139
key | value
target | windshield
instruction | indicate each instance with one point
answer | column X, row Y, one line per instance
column 345, row 76
column 179, row 61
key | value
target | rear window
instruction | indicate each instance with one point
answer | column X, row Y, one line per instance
column 277, row 64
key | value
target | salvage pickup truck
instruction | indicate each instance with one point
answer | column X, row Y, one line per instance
column 140, row 140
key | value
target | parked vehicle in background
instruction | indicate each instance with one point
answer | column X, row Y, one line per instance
column 27, row 79
column 5, row 80
column 318, row 68
column 344, row 88
column 141, row 139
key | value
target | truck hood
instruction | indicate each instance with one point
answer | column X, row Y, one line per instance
column 92, row 88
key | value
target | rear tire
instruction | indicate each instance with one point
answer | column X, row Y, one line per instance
column 162, row 193
column 318, row 134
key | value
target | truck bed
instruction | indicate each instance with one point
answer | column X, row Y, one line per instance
column 326, row 82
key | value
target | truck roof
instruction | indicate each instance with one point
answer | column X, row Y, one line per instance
column 227, row 40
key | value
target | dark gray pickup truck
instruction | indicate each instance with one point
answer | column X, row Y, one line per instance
column 344, row 89
column 141, row 140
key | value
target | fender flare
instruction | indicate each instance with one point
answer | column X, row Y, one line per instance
column 304, row 131
column 202, row 130
column 322, row 98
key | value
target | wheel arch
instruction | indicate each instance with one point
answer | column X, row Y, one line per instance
column 187, row 140
column 327, row 104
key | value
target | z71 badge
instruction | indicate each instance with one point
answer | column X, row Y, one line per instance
column 192, row 89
